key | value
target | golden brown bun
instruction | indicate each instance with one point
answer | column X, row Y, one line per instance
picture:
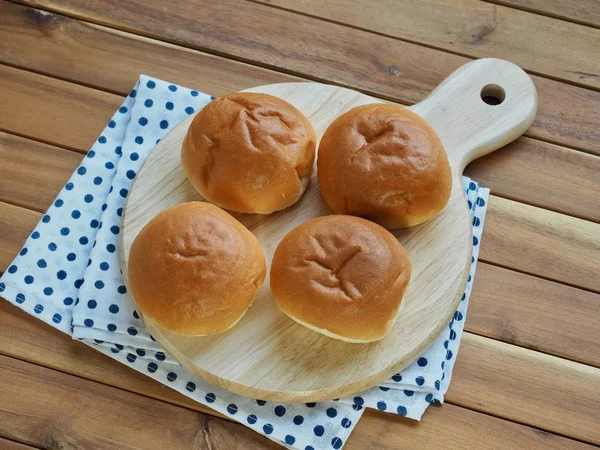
column 250, row 153
column 195, row 270
column 386, row 164
column 342, row 276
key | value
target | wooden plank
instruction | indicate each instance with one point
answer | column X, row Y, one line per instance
column 112, row 60
column 543, row 45
column 379, row 65
column 15, row 226
column 461, row 427
column 51, row 110
column 527, row 170
column 451, row 427
column 71, row 412
column 5, row 444
column 535, row 313
column 519, row 171
column 33, row 173
column 586, row 12
column 43, row 345
column 526, row 386
column 541, row 242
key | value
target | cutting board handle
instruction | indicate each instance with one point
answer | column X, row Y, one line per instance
column 480, row 107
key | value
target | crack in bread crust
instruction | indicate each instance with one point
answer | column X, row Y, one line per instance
column 334, row 279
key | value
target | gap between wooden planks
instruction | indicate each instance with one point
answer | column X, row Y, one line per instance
column 378, row 65
column 456, row 425
column 585, row 12
column 6, row 444
column 61, row 112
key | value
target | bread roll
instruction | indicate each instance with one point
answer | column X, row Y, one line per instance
column 250, row 153
column 341, row 276
column 194, row 269
column 386, row 164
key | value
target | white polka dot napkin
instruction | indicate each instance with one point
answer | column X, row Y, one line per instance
column 68, row 275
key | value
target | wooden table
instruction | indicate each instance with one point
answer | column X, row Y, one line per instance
column 528, row 371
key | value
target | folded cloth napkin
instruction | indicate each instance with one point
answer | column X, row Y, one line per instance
column 68, row 275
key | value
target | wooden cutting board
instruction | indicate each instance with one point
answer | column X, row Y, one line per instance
column 267, row 355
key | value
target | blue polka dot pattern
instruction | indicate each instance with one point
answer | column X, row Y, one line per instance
column 90, row 207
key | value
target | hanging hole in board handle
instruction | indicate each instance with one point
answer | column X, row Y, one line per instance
column 492, row 94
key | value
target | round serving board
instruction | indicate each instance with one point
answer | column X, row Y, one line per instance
column 269, row 356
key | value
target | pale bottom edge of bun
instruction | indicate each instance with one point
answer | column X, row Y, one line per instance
column 233, row 324
column 414, row 221
column 344, row 338
column 303, row 185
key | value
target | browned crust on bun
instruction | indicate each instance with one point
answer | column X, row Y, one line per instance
column 194, row 269
column 386, row 164
column 342, row 276
column 250, row 153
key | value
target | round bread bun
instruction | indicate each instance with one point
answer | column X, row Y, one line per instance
column 251, row 153
column 386, row 164
column 194, row 269
column 341, row 276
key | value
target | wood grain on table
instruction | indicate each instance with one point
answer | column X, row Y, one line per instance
column 528, row 370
